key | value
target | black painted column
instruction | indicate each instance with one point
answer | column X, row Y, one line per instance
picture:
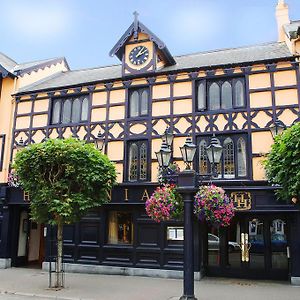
column 295, row 250
column 186, row 186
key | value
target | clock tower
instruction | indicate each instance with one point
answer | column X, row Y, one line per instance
column 141, row 51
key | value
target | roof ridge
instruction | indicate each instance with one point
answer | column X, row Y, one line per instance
column 39, row 60
column 96, row 68
column 230, row 48
column 8, row 57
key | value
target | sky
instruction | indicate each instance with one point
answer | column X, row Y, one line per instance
column 84, row 31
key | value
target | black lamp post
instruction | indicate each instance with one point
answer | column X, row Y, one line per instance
column 99, row 142
column 188, row 151
column 168, row 136
column 187, row 188
column 214, row 152
column 20, row 145
column 164, row 155
column 277, row 128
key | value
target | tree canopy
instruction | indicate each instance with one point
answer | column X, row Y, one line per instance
column 283, row 163
column 64, row 178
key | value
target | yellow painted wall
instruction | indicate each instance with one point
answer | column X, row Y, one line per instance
column 261, row 99
column 34, row 76
column 6, row 117
column 285, row 78
column 257, row 81
column 286, row 97
column 258, row 169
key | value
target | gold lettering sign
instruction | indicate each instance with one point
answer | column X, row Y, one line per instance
column 241, row 200
column 145, row 196
column 26, row 196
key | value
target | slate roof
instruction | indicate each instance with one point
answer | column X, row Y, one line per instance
column 6, row 62
column 226, row 57
column 13, row 68
column 292, row 30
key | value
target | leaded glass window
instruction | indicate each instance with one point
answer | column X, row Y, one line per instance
column 233, row 163
column 214, row 96
column 133, row 162
column 70, row 110
column 201, row 96
column 76, row 107
column 226, row 100
column 239, row 94
column 220, row 94
column 134, row 104
column 137, row 161
column 228, row 157
column 56, row 112
column 138, row 102
column 241, row 157
column 67, row 109
column 143, row 161
column 203, row 161
column 85, row 109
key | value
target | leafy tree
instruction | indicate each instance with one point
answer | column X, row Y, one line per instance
column 64, row 178
column 283, row 164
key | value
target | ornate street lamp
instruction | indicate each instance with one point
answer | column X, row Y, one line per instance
column 277, row 128
column 168, row 136
column 99, row 141
column 164, row 155
column 214, row 152
column 20, row 145
column 188, row 151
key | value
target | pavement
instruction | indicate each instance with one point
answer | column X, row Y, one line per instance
column 24, row 284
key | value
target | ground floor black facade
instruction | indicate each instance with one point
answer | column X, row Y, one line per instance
column 262, row 241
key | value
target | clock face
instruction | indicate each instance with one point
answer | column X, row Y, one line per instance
column 139, row 55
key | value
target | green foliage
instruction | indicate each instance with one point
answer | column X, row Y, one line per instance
column 283, row 163
column 64, row 178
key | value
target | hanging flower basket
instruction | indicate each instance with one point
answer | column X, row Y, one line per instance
column 213, row 205
column 13, row 179
column 165, row 204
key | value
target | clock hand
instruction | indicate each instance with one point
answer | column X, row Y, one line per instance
column 142, row 51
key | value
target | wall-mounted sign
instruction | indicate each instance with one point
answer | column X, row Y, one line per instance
column 241, row 200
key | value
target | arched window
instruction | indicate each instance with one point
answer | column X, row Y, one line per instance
column 76, row 110
column 228, row 158
column 214, row 96
column 84, row 109
column 143, row 161
column 201, row 97
column 239, row 95
column 66, row 118
column 134, row 104
column 226, row 95
column 144, row 102
column 56, row 111
column 203, row 164
column 241, row 157
column 133, row 162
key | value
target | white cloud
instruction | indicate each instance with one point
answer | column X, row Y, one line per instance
column 37, row 19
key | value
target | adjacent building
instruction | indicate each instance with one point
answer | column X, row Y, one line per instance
column 237, row 94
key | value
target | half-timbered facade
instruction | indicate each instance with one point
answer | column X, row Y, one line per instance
column 236, row 94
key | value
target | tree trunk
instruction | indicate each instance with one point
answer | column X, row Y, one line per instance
column 58, row 266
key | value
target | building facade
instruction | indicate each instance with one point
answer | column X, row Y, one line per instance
column 236, row 94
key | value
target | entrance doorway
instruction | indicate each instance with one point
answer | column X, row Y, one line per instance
column 251, row 247
column 29, row 240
